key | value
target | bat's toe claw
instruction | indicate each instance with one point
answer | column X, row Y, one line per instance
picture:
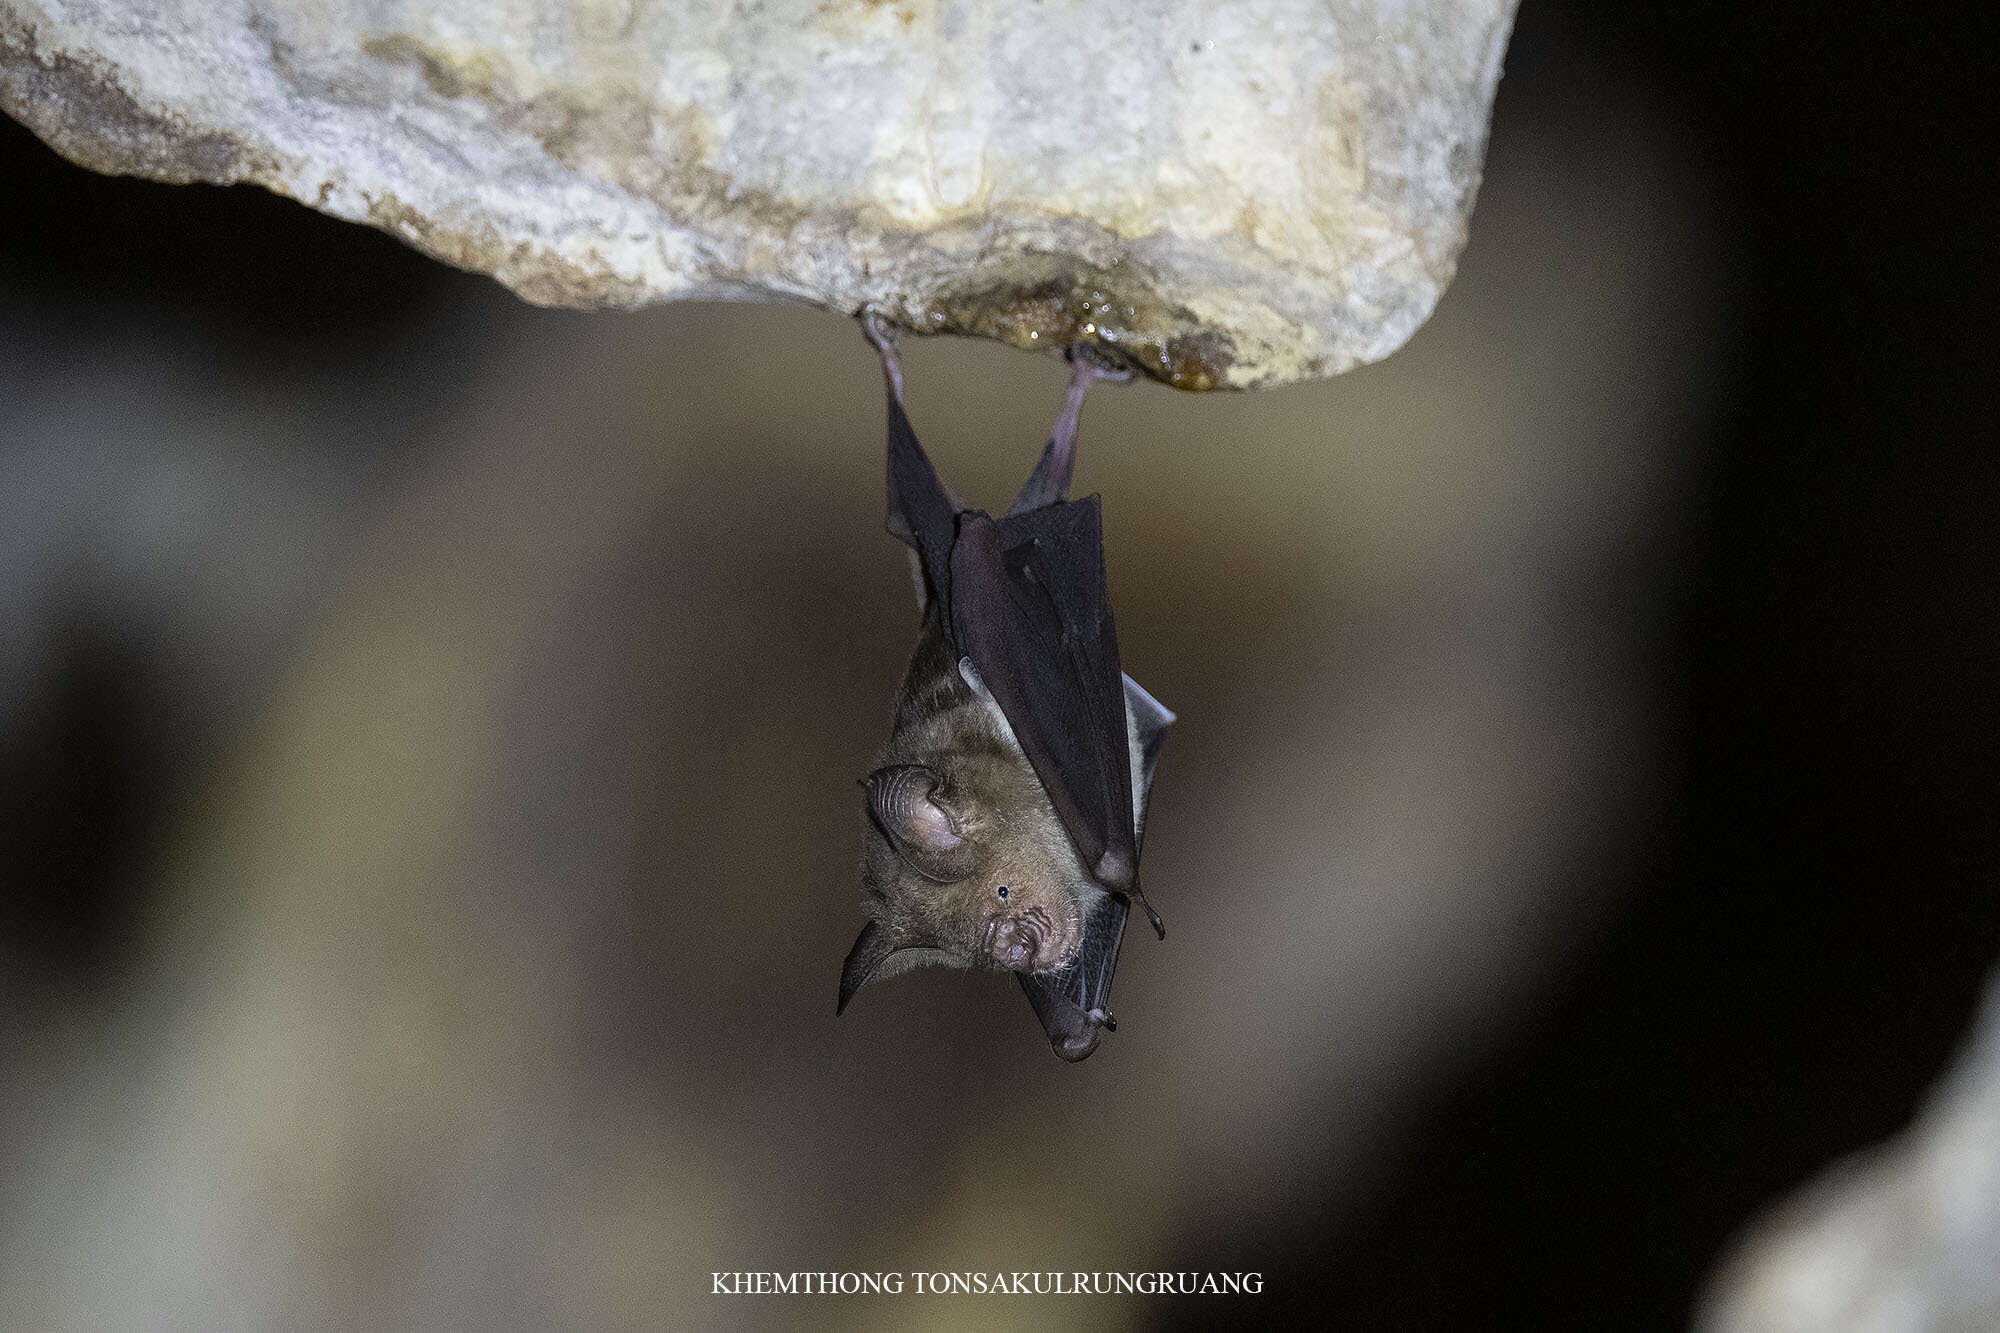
column 881, row 336
column 877, row 329
column 1099, row 363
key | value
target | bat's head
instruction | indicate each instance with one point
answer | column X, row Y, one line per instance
column 964, row 862
column 964, row 856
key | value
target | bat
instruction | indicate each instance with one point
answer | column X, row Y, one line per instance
column 1006, row 812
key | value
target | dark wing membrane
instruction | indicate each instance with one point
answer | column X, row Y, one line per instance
column 1048, row 483
column 1029, row 608
column 1024, row 597
column 1070, row 1002
column 921, row 514
column 1073, row 1004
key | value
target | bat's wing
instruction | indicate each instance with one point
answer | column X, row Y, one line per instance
column 1028, row 606
column 1049, row 482
column 921, row 513
column 1072, row 1003
column 1024, row 597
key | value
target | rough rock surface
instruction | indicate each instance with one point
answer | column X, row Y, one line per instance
column 1230, row 192
column 1905, row 1239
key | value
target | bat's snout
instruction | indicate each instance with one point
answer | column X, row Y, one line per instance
column 1017, row 941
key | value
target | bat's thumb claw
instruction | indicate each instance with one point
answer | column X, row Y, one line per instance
column 1075, row 1046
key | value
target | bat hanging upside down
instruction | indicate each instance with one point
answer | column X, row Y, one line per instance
column 1006, row 813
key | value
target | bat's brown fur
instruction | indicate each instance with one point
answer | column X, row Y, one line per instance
column 947, row 724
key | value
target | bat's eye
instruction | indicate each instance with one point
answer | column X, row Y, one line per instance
column 1002, row 890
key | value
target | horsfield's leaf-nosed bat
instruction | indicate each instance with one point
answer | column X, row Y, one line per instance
column 1006, row 812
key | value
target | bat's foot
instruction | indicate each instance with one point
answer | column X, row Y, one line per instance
column 1091, row 362
column 877, row 329
column 881, row 336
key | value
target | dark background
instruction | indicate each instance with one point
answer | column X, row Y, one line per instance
column 1797, row 963
column 1795, row 955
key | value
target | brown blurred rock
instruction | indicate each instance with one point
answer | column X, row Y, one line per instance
column 1903, row 1238
column 1232, row 194
column 484, row 979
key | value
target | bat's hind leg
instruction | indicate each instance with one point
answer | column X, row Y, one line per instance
column 1049, row 482
column 881, row 335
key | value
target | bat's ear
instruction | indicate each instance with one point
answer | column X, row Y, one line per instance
column 873, row 953
column 902, row 800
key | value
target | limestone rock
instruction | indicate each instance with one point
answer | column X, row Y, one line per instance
column 1905, row 1239
column 1228, row 192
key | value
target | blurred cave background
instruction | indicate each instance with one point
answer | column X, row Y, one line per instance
column 429, row 724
